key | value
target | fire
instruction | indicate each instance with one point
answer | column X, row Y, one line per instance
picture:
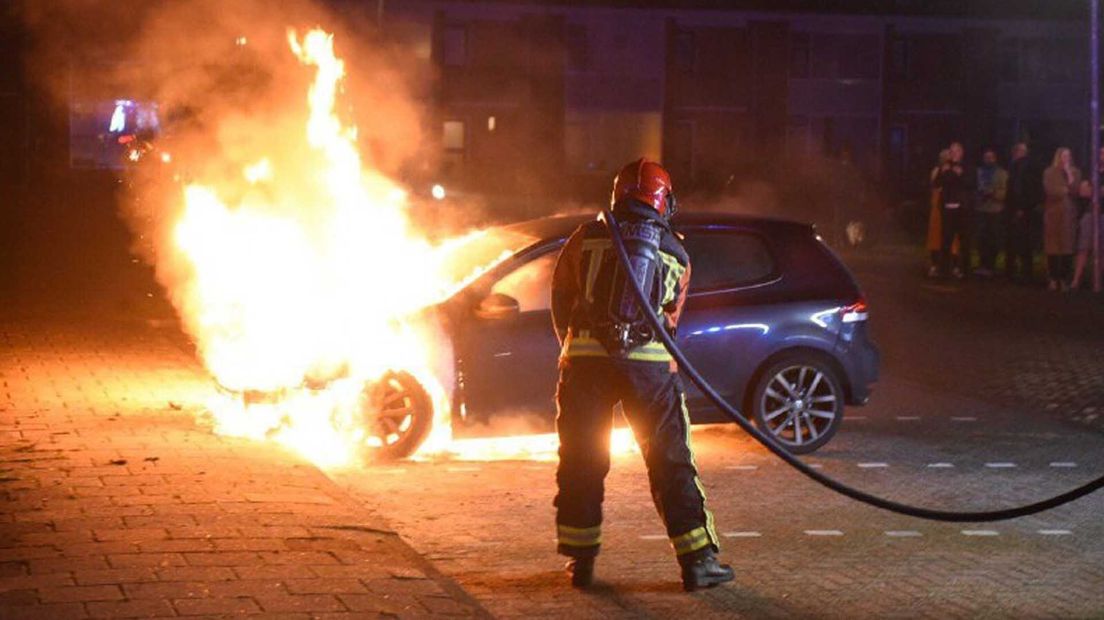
column 305, row 287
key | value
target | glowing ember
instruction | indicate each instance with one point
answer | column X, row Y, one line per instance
column 305, row 289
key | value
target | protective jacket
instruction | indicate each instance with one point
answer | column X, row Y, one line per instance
column 589, row 290
column 609, row 359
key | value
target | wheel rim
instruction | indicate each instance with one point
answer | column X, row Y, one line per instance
column 389, row 410
column 799, row 404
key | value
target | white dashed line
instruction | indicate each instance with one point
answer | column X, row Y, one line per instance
column 980, row 533
column 741, row 534
column 940, row 465
column 907, row 418
column 1000, row 465
column 856, row 417
column 462, row 469
column 873, row 465
column 964, row 418
column 903, row 533
column 1066, row 464
column 823, row 533
column 1055, row 532
column 743, row 467
column 653, row 537
column 815, row 465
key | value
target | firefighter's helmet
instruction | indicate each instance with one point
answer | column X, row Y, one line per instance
column 647, row 182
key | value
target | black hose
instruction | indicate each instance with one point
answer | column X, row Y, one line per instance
column 833, row 484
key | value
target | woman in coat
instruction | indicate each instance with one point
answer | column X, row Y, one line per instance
column 1061, row 182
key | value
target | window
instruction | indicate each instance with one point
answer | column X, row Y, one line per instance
column 455, row 46
column 530, row 284
column 685, row 51
column 799, row 55
column 578, row 56
column 729, row 259
column 452, row 136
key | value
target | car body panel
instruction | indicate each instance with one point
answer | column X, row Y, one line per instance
column 506, row 367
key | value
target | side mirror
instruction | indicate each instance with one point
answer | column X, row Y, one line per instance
column 497, row 306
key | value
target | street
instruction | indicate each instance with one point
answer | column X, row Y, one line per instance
column 121, row 503
column 972, row 428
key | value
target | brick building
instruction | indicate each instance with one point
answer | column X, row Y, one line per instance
column 533, row 94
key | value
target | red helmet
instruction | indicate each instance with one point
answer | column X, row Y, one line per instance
column 647, row 182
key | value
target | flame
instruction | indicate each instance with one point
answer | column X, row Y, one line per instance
column 307, row 282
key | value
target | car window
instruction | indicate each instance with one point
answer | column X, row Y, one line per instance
column 727, row 259
column 530, row 284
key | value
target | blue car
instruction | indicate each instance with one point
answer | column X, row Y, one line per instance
column 773, row 320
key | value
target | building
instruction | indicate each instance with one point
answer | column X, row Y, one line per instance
column 531, row 95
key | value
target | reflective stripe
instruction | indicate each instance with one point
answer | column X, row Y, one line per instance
column 691, row 541
column 579, row 536
column 580, row 345
column 710, row 529
column 671, row 278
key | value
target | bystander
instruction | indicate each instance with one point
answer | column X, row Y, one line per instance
column 1021, row 203
column 955, row 186
column 992, row 184
column 1061, row 183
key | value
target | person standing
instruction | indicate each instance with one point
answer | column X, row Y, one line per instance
column 611, row 354
column 1061, row 184
column 955, row 193
column 992, row 184
column 1085, row 226
column 1021, row 201
column 935, row 219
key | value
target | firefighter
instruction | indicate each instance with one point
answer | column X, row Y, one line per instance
column 610, row 354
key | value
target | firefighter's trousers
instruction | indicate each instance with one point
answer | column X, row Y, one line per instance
column 653, row 401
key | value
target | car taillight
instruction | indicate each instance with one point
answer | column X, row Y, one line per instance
column 854, row 312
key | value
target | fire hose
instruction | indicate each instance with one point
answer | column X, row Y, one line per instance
column 768, row 442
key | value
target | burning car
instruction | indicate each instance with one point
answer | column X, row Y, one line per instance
column 773, row 320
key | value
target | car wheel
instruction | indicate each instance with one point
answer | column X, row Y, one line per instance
column 799, row 402
column 397, row 417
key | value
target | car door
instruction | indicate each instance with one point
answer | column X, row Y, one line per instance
column 507, row 351
column 726, row 326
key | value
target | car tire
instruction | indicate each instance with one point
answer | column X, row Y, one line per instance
column 397, row 415
column 799, row 401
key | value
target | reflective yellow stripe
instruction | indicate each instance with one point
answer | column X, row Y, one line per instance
column 710, row 529
column 579, row 536
column 671, row 278
column 584, row 346
column 691, row 541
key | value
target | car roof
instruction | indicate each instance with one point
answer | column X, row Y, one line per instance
column 559, row 226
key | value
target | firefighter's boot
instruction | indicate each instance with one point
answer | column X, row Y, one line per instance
column 704, row 571
column 581, row 571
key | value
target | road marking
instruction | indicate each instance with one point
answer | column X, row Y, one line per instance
column 815, row 465
column 980, row 533
column 907, row 418
column 963, row 418
column 1055, row 532
column 903, row 533
column 393, row 472
column 1052, row 405
column 741, row 534
column 463, row 469
column 653, row 537
column 872, row 465
column 504, row 354
column 856, row 417
column 1066, row 464
column 743, row 467
column 823, row 533
column 1000, row 465
column 940, row 465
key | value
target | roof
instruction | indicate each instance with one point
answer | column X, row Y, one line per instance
column 558, row 226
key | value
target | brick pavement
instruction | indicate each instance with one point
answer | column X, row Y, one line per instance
column 116, row 503
column 1010, row 344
